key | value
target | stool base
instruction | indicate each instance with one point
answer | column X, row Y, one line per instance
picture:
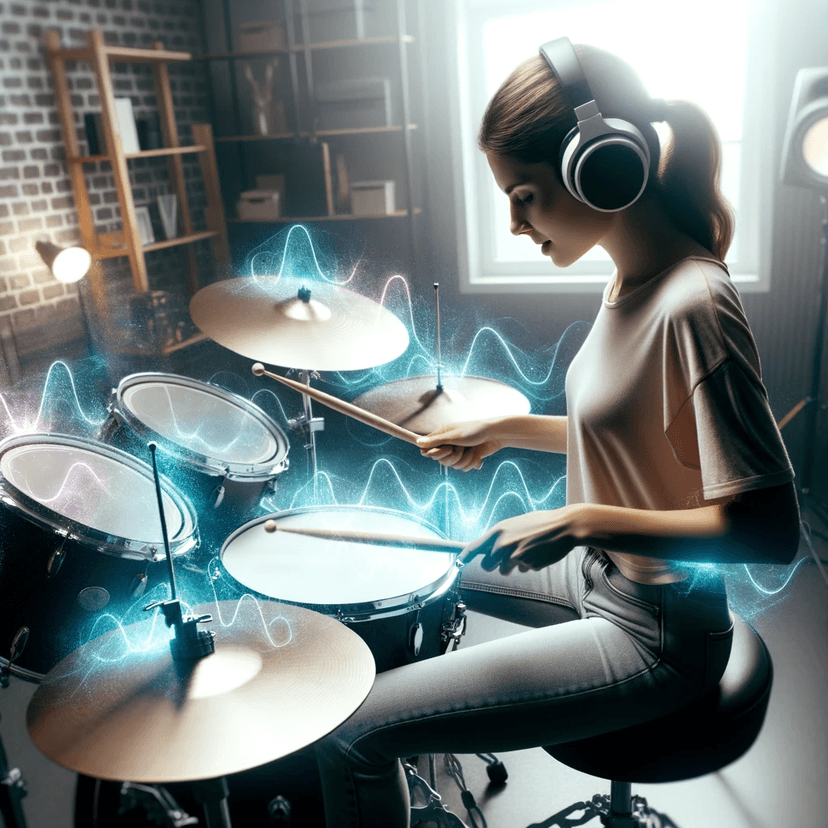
column 619, row 809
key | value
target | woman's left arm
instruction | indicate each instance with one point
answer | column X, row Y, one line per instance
column 760, row 526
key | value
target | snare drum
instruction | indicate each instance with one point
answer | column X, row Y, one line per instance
column 81, row 540
column 402, row 602
column 228, row 452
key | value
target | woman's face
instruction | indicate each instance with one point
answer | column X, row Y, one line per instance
column 543, row 209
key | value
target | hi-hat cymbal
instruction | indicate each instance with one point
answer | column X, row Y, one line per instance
column 415, row 402
column 280, row 678
column 273, row 320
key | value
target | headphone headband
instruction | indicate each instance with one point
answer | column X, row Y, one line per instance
column 563, row 60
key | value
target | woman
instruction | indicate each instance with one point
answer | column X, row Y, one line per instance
column 673, row 459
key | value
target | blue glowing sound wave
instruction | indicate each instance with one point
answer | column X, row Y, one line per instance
column 390, row 475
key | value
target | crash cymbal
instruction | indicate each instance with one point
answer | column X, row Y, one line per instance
column 415, row 402
column 273, row 320
column 280, row 678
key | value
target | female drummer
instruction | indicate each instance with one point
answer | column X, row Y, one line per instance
column 674, row 461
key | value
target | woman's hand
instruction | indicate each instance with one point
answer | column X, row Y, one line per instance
column 461, row 446
column 530, row 541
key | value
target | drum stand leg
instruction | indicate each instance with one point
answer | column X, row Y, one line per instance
column 12, row 790
column 212, row 794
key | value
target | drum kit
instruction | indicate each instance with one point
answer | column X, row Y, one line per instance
column 323, row 596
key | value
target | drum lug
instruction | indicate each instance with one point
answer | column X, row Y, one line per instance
column 455, row 628
column 219, row 492
column 415, row 638
column 18, row 644
column 138, row 586
column 56, row 560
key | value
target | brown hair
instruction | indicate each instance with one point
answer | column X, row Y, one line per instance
column 528, row 118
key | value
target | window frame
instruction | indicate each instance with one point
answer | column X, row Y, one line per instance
column 480, row 273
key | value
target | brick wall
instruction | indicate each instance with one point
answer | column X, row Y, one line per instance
column 36, row 200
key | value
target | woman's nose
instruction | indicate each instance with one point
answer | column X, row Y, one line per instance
column 518, row 225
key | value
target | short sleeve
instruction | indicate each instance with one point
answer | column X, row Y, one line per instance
column 739, row 444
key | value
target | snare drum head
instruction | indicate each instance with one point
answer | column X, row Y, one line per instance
column 322, row 572
column 99, row 494
column 202, row 421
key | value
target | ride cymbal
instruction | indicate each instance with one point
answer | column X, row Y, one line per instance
column 417, row 404
column 280, row 678
column 298, row 324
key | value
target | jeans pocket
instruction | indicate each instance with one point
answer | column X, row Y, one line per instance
column 719, row 645
column 626, row 589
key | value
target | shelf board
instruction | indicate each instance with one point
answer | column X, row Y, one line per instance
column 314, row 47
column 124, row 54
column 336, row 217
column 118, row 252
column 154, row 153
column 322, row 133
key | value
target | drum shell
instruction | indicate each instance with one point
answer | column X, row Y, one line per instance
column 56, row 586
column 389, row 627
column 65, row 570
column 224, row 493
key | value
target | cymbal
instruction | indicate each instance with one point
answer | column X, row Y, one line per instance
column 265, row 318
column 280, row 678
column 415, row 402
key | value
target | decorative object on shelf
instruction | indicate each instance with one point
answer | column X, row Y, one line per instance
column 262, row 96
column 262, row 36
column 354, row 103
column 142, row 217
column 337, row 19
column 157, row 320
column 168, row 209
column 371, row 198
column 126, row 125
column 308, row 181
column 264, row 205
column 342, row 197
column 149, row 133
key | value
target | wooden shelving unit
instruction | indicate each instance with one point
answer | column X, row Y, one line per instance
column 388, row 53
column 127, row 243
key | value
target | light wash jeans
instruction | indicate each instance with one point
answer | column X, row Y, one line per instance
column 606, row 653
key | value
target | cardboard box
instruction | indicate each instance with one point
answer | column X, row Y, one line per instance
column 372, row 198
column 354, row 103
column 262, row 36
column 331, row 20
column 262, row 205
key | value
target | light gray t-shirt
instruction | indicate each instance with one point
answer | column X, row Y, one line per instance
column 665, row 404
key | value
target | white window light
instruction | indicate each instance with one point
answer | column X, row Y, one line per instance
column 701, row 56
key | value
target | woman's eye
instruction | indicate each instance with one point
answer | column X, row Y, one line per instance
column 522, row 202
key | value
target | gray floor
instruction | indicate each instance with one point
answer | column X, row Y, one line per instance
column 779, row 782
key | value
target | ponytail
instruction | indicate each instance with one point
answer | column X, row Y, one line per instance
column 688, row 178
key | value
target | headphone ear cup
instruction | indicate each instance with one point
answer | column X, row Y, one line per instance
column 608, row 172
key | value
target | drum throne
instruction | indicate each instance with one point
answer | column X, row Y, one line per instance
column 696, row 740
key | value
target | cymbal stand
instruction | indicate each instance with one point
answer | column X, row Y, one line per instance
column 12, row 790
column 443, row 469
column 308, row 425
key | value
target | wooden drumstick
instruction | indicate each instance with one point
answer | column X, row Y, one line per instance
column 407, row 542
column 366, row 417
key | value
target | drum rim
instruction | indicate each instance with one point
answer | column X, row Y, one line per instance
column 365, row 610
column 35, row 512
column 212, row 465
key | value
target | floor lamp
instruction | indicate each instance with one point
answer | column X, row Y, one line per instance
column 805, row 164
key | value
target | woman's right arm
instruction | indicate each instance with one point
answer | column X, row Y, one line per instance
column 465, row 445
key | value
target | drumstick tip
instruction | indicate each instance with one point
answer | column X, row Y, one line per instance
column 270, row 526
column 258, row 369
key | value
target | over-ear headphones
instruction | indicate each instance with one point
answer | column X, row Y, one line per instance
column 605, row 162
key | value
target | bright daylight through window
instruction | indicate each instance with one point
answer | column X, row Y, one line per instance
column 706, row 64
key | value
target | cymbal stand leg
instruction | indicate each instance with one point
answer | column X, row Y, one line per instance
column 308, row 425
column 444, row 473
column 12, row 790
column 212, row 794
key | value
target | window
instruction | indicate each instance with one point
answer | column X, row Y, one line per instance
column 698, row 52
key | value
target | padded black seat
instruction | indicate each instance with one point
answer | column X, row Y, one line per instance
column 699, row 739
